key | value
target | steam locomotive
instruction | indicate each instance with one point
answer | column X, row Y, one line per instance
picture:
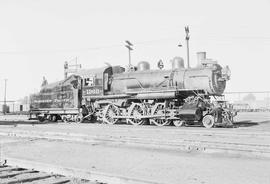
column 139, row 95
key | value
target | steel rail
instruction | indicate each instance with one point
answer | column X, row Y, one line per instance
column 212, row 145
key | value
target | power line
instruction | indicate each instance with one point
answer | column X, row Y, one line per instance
column 147, row 42
column 57, row 50
column 88, row 49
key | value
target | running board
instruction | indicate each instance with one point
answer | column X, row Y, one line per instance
column 146, row 117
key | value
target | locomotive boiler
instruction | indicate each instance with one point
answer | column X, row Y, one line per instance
column 139, row 95
column 208, row 76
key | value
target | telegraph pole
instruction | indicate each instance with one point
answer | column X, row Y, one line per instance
column 129, row 46
column 187, row 41
column 68, row 68
column 5, row 97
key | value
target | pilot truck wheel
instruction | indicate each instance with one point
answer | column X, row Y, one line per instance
column 208, row 121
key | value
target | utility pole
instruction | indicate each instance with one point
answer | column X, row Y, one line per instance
column 187, row 41
column 129, row 46
column 76, row 64
column 5, row 97
column 68, row 68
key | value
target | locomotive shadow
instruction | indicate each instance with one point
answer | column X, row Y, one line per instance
column 14, row 123
column 247, row 123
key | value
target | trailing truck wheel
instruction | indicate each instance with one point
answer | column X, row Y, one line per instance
column 135, row 112
column 158, row 109
column 208, row 121
column 54, row 118
column 41, row 118
column 109, row 112
column 178, row 123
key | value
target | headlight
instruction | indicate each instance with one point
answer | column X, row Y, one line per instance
column 225, row 73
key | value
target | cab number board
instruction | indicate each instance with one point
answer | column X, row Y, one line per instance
column 94, row 91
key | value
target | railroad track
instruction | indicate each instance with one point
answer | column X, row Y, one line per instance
column 213, row 143
column 18, row 175
column 41, row 173
column 148, row 129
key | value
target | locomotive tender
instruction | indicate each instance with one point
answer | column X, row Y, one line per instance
column 139, row 95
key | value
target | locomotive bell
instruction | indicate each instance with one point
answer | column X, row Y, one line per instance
column 143, row 65
column 177, row 63
column 225, row 73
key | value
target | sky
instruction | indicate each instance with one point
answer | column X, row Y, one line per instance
column 38, row 36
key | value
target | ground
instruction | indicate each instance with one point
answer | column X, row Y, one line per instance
column 148, row 153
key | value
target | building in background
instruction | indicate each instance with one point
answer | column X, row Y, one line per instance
column 249, row 101
column 18, row 106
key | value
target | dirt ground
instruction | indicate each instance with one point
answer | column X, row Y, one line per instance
column 150, row 164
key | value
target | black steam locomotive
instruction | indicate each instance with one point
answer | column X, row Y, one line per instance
column 139, row 95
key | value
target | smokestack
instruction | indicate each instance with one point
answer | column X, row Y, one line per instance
column 200, row 57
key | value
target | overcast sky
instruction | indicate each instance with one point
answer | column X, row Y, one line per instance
column 37, row 36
